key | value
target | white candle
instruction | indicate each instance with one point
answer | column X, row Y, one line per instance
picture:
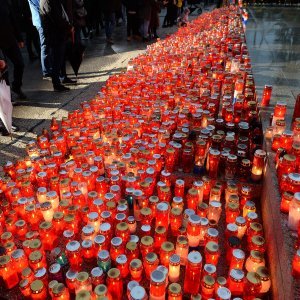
column 294, row 212
column 174, row 268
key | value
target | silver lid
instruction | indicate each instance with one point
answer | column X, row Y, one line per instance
column 18, row 253
column 175, row 259
column 71, row 274
column 232, row 227
column 204, row 222
column 116, row 241
column 40, row 272
column 51, row 194
column 96, row 272
column 93, row 215
column 188, row 212
column 131, row 284
column 42, row 190
column 195, row 219
column 138, row 193
column 68, row 233
column 105, row 226
column 73, row 246
column 198, row 183
column 195, row 257
column 215, row 204
column 162, row 206
column 99, row 239
column 134, row 238
column 130, row 219
column 224, row 293
column 240, row 220
column 121, row 259
column 88, row 229
column 238, row 253
column 138, row 293
column 210, row 268
column 54, row 268
column 177, row 199
column 237, row 274
column 98, row 202
column 103, row 254
column 158, row 276
column 180, row 182
column 86, row 244
column 213, row 232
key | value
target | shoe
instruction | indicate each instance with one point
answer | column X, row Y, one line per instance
column 109, row 41
column 47, row 77
column 60, row 88
column 20, row 94
column 145, row 40
column 68, row 80
column 4, row 131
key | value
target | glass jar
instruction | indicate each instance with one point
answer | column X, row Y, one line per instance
column 236, row 282
column 162, row 214
column 73, row 253
column 252, row 286
column 114, row 283
column 264, row 276
column 182, row 248
column 24, row 287
column 213, row 163
column 146, row 245
column 166, row 251
column 255, row 260
column 37, row 260
column 193, row 273
column 70, row 280
column 150, row 263
column 7, row 272
column 237, row 259
column 157, row 285
column 286, row 199
column 100, row 291
column 296, row 264
column 207, row 287
column 136, row 269
column 174, row 292
column 212, row 253
column 19, row 260
column 258, row 164
column 294, row 212
column 175, row 220
column 104, row 260
column 38, row 290
column 193, row 230
column 60, row 292
column 232, row 212
column 223, row 293
column 230, row 167
column 214, row 211
column 83, row 282
column 174, row 268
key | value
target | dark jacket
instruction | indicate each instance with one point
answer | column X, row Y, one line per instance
column 9, row 31
column 55, row 21
column 110, row 6
column 131, row 5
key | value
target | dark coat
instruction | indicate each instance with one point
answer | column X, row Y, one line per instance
column 9, row 30
column 131, row 5
column 55, row 21
column 155, row 10
column 110, row 6
column 145, row 9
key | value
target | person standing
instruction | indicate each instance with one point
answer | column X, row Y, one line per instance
column 56, row 26
column 146, row 16
column 154, row 22
column 132, row 18
column 45, row 52
column 10, row 43
column 109, row 12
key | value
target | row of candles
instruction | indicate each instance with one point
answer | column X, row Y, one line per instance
column 106, row 206
column 286, row 143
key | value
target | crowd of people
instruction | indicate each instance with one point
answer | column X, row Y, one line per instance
column 48, row 25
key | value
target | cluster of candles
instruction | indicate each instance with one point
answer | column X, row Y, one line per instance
column 285, row 142
column 150, row 189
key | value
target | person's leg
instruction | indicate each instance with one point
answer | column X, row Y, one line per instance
column 28, row 41
column 146, row 28
column 129, row 25
column 109, row 25
column 46, row 59
column 36, row 40
column 13, row 53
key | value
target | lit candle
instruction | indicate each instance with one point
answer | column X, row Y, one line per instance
column 258, row 164
column 157, row 286
column 194, row 230
column 174, row 268
column 174, row 292
column 136, row 269
column 294, row 212
column 264, row 275
column 255, row 260
column 47, row 211
column 193, row 273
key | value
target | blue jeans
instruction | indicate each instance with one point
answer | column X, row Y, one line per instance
column 46, row 60
column 110, row 21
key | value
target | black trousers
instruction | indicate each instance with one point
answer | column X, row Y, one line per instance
column 13, row 53
column 58, row 51
column 132, row 24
